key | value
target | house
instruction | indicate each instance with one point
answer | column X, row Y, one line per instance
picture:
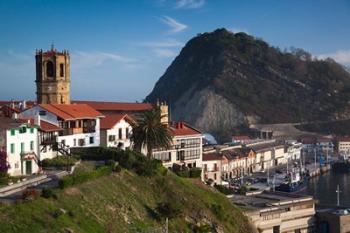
column 80, row 123
column 272, row 212
column 18, row 143
column 186, row 148
column 309, row 144
column 240, row 161
column 241, row 139
column 116, row 130
column 343, row 145
column 293, row 150
column 211, row 168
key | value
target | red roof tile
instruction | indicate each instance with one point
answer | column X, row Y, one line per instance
column 72, row 111
column 211, row 157
column 240, row 137
column 110, row 120
column 48, row 127
column 182, row 129
column 343, row 139
column 116, row 106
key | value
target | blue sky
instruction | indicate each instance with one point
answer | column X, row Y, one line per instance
column 119, row 49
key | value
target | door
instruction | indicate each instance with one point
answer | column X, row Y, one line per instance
column 28, row 167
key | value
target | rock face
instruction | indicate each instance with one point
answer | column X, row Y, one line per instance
column 221, row 81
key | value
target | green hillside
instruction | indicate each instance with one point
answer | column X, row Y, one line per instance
column 126, row 202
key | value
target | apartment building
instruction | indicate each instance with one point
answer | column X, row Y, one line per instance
column 211, row 168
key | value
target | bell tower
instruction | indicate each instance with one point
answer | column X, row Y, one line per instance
column 52, row 76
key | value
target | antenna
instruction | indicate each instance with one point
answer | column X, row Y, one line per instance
column 52, row 46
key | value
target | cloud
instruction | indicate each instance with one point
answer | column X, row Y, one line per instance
column 189, row 4
column 237, row 30
column 164, row 52
column 174, row 25
column 341, row 56
column 93, row 59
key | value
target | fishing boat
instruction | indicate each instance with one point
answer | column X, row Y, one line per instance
column 295, row 182
column 343, row 164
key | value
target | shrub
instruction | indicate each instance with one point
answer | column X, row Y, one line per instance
column 218, row 211
column 59, row 161
column 117, row 168
column 47, row 193
column 110, row 163
column 169, row 209
column 82, row 177
column 30, row 194
column 183, row 173
column 4, row 178
column 195, row 172
column 223, row 189
column 96, row 153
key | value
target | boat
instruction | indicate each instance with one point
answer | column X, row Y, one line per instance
column 294, row 183
column 342, row 165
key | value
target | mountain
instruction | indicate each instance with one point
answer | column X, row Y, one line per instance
column 125, row 202
column 222, row 81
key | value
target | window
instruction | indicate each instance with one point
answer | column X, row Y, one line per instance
column 13, row 132
column 62, row 70
column 22, row 147
column 23, row 130
column 91, row 140
column 214, row 176
column 12, row 148
column 127, row 133
column 74, row 142
column 49, row 69
column 111, row 138
column 31, row 130
column 120, row 133
column 16, row 165
column 42, row 113
column 31, row 145
column 63, row 142
column 276, row 229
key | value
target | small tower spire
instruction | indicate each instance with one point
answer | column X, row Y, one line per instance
column 52, row 46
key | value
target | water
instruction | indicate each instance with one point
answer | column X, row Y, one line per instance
column 323, row 188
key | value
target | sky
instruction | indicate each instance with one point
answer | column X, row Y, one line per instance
column 120, row 48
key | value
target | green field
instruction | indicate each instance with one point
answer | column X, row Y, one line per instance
column 126, row 202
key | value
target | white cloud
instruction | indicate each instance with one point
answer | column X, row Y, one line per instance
column 174, row 25
column 164, row 52
column 341, row 56
column 84, row 59
column 189, row 4
column 237, row 30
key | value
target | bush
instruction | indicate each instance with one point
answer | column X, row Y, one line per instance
column 30, row 194
column 47, row 193
column 82, row 177
column 4, row 178
column 195, row 172
column 183, row 173
column 110, row 163
column 96, row 153
column 59, row 161
column 223, row 189
column 117, row 168
column 169, row 209
column 218, row 211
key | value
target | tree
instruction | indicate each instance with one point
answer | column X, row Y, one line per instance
column 150, row 132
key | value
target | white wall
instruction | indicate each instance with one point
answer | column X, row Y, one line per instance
column 115, row 132
column 14, row 159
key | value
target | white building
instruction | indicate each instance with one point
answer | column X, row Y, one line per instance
column 19, row 142
column 186, row 148
column 116, row 130
column 211, row 168
column 343, row 145
column 80, row 123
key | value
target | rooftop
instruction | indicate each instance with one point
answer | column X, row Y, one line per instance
column 211, row 156
column 72, row 111
column 268, row 199
column 110, row 120
column 116, row 106
column 183, row 129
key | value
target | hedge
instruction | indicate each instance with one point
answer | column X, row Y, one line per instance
column 59, row 161
column 78, row 178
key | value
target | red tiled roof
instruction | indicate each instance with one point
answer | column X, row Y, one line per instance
column 182, row 129
column 116, row 106
column 110, row 120
column 72, row 111
column 240, row 137
column 343, row 139
column 48, row 127
column 211, row 157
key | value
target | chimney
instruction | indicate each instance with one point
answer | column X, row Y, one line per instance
column 37, row 120
column 24, row 104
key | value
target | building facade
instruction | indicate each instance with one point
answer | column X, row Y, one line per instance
column 211, row 168
column 19, row 143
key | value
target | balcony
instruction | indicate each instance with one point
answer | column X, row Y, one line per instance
column 48, row 140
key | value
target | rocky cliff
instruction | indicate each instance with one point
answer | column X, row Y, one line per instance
column 221, row 81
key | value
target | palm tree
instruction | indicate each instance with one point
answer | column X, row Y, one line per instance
column 150, row 132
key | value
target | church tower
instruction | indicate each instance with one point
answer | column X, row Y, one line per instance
column 52, row 77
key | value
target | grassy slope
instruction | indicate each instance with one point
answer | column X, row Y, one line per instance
column 122, row 202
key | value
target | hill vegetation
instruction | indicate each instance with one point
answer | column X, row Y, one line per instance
column 222, row 80
column 125, row 201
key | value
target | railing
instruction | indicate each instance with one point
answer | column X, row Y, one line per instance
column 71, row 131
column 48, row 140
column 90, row 129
